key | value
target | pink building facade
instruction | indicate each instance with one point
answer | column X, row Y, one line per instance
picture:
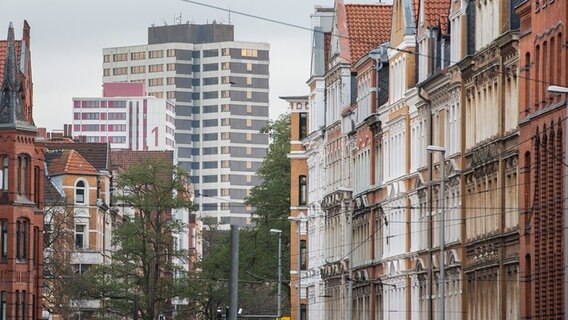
column 126, row 118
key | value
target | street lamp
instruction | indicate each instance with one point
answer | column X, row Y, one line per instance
column 299, row 221
column 442, row 281
column 564, row 90
column 279, row 233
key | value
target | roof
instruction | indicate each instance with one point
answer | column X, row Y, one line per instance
column 52, row 195
column 368, row 26
column 68, row 162
column 97, row 154
column 436, row 14
column 123, row 159
column 4, row 53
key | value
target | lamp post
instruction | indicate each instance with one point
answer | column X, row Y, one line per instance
column 279, row 233
column 442, row 281
column 299, row 221
column 564, row 90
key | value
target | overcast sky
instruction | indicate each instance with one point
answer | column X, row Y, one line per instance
column 67, row 38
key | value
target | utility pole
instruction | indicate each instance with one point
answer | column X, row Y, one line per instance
column 234, row 281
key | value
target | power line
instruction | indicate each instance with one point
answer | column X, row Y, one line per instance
column 350, row 38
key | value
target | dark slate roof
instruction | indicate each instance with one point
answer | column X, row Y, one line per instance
column 97, row 154
column 12, row 111
column 52, row 196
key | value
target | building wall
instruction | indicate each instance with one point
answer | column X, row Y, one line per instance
column 221, row 100
column 543, row 62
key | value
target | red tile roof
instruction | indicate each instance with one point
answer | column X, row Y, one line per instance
column 436, row 14
column 368, row 27
column 123, row 159
column 70, row 162
column 4, row 53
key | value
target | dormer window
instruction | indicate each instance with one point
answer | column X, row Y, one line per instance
column 80, row 192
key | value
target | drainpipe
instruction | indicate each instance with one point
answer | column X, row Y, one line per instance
column 429, row 201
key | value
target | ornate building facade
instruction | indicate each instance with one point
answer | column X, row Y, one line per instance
column 543, row 55
column 21, row 185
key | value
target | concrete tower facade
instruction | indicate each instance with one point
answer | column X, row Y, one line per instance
column 220, row 89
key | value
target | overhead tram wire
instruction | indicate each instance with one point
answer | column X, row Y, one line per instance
column 291, row 25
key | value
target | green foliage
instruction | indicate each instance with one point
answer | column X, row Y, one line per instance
column 141, row 268
column 258, row 248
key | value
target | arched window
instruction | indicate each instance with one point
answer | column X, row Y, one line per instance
column 23, row 178
column 22, row 242
column 80, row 192
column 4, row 179
column 4, row 240
column 303, row 190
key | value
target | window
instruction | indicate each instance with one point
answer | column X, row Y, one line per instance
column 224, row 192
column 137, row 69
column 155, row 82
column 106, row 72
column 249, row 94
column 224, row 178
column 248, row 178
column 119, row 57
column 225, row 164
column 249, row 108
column 106, row 58
column 80, row 192
column 171, row 52
column 23, row 175
column 249, row 151
column 23, row 301
column 249, row 80
column 303, row 255
column 17, row 305
column 225, row 66
column 4, row 176
column 303, row 190
column 119, row 71
column 225, row 136
column 249, row 136
column 156, row 54
column 303, row 125
column 4, row 240
column 3, row 305
column 224, row 150
column 249, row 66
column 249, row 123
column 226, row 52
column 249, row 164
column 21, row 240
column 80, row 236
column 171, row 80
column 225, row 108
column 171, row 67
column 137, row 55
column 156, row 68
column 249, row 53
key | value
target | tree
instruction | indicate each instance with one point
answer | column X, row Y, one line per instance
column 63, row 285
column 258, row 261
column 141, row 271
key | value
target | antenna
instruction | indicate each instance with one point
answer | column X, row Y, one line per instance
column 229, row 15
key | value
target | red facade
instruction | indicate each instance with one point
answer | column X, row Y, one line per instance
column 21, row 186
column 543, row 54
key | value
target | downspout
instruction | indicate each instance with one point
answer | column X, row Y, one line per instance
column 429, row 201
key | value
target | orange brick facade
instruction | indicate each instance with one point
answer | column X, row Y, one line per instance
column 543, row 62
